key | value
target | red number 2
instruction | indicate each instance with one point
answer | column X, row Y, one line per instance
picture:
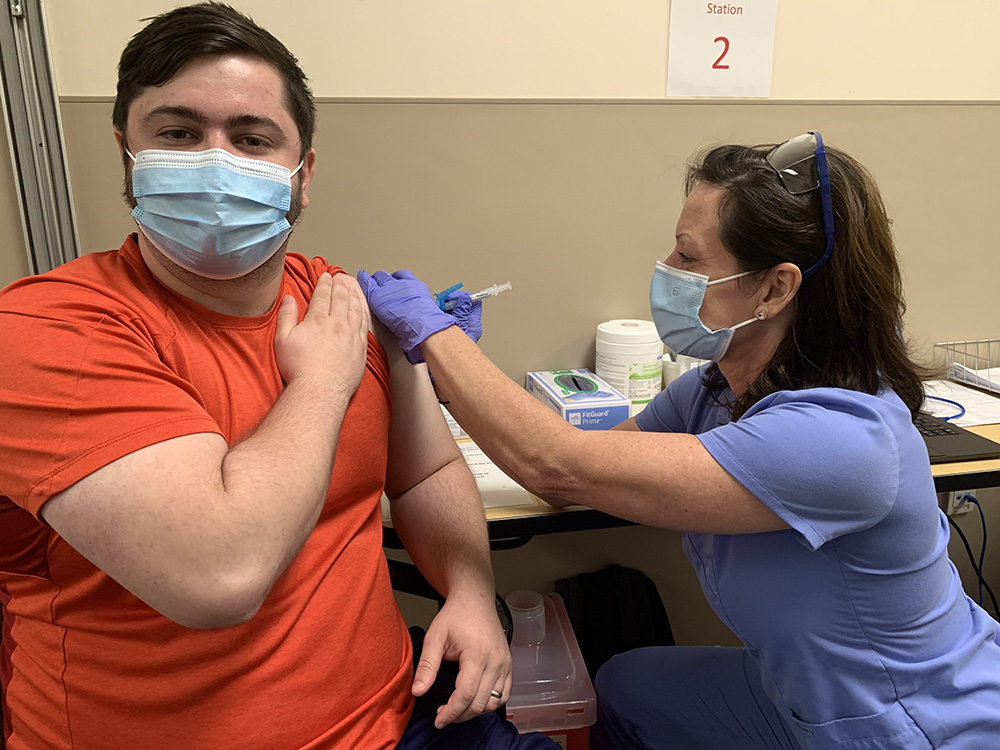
column 717, row 64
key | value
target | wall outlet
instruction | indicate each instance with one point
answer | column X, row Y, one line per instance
column 954, row 503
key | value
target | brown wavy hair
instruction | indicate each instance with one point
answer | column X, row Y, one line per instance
column 848, row 321
column 175, row 38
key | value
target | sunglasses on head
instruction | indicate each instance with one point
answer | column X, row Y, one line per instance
column 800, row 163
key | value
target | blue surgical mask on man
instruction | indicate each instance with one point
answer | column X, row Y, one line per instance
column 215, row 214
column 675, row 299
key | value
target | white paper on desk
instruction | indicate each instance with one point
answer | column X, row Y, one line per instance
column 988, row 378
column 498, row 489
column 980, row 408
column 455, row 428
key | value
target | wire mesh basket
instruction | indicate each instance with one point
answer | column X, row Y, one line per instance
column 975, row 363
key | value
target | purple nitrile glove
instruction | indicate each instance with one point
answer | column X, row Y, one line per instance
column 468, row 313
column 406, row 307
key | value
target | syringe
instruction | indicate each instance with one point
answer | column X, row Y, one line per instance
column 490, row 291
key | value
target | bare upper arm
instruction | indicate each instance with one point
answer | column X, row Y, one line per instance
column 661, row 479
column 420, row 442
column 723, row 505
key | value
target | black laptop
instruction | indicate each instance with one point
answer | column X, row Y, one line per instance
column 947, row 442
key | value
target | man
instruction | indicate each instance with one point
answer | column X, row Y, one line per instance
column 197, row 431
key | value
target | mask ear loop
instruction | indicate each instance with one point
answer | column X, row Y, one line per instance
column 730, row 278
column 738, row 326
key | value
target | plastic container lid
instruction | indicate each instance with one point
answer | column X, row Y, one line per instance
column 627, row 331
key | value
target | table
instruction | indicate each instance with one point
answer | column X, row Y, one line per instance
column 970, row 475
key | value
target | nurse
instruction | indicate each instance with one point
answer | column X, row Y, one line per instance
column 817, row 536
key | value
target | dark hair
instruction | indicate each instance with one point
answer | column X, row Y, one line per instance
column 173, row 39
column 848, row 321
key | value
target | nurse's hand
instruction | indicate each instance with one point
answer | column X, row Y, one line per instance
column 406, row 307
column 468, row 314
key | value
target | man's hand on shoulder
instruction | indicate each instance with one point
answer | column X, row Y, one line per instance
column 329, row 346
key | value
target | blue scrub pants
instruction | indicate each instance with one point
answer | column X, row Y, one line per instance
column 686, row 698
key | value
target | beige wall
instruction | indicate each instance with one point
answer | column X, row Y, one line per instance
column 590, row 49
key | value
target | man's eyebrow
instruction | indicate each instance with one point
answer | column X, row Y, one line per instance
column 236, row 121
column 242, row 121
column 185, row 113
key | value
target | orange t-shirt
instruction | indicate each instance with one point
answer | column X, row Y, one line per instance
column 99, row 360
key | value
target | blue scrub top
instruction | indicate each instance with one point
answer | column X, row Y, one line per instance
column 856, row 616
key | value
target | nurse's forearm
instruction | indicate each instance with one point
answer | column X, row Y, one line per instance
column 645, row 477
column 521, row 435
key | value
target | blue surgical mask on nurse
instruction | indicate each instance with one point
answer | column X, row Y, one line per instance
column 675, row 300
column 215, row 214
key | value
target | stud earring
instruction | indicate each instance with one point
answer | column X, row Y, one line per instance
column 761, row 314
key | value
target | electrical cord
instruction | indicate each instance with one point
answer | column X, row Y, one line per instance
column 961, row 409
column 982, row 517
column 979, row 574
column 982, row 551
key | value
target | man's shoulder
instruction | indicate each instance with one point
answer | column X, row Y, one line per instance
column 297, row 264
column 304, row 271
column 101, row 280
